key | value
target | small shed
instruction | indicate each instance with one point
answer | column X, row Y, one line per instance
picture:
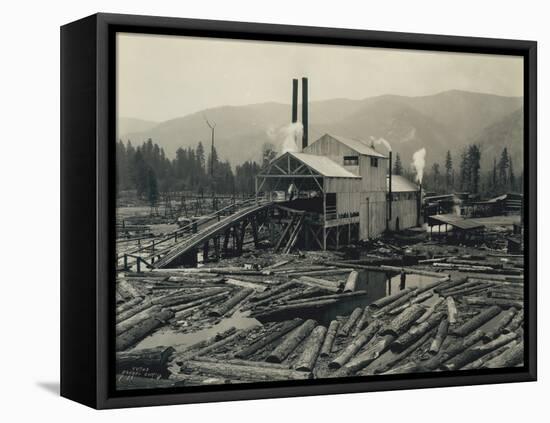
column 404, row 203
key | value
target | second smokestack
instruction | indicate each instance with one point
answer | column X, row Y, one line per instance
column 294, row 100
column 304, row 112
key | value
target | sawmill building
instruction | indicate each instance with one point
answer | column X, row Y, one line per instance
column 346, row 182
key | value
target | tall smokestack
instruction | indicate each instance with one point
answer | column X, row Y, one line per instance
column 294, row 100
column 390, row 187
column 419, row 207
column 304, row 112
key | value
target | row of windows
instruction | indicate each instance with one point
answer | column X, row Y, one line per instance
column 354, row 161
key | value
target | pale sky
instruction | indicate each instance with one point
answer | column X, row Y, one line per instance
column 163, row 77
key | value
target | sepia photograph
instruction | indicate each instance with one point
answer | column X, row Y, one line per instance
column 292, row 211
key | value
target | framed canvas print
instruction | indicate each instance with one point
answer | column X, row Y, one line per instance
column 254, row 211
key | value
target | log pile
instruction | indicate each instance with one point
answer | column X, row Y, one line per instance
column 454, row 322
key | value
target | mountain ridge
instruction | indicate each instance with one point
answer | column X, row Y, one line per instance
column 444, row 121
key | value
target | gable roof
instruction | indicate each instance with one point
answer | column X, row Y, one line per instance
column 358, row 145
column 323, row 165
column 400, row 184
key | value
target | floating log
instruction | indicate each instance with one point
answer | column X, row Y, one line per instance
column 128, row 304
column 142, row 329
column 501, row 322
column 306, row 361
column 475, row 352
column 133, row 311
column 384, row 301
column 273, row 291
column 416, row 332
column 484, row 301
column 217, row 270
column 476, row 321
column 450, row 284
column 320, row 283
column 192, row 304
column 516, row 323
column 509, row 358
column 465, row 287
column 347, row 265
column 287, row 310
column 278, row 264
column 440, row 336
column 228, row 305
column 281, row 297
column 385, row 362
column 429, row 311
column 247, row 372
column 302, row 294
column 480, row 362
column 127, row 324
column 211, row 340
column 453, row 348
column 362, row 322
column 411, row 367
column 234, row 337
column 414, row 300
column 452, row 311
column 290, row 342
column 281, row 330
column 412, row 271
column 351, row 283
column 431, row 285
column 146, row 361
column 350, row 322
column 374, row 349
column 186, row 297
column 246, row 284
column 340, row 296
column 394, row 304
column 351, row 349
column 320, row 272
column 326, row 348
column 404, row 321
column 505, row 295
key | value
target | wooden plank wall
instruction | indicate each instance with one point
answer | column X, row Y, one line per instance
column 372, row 214
column 334, row 150
column 406, row 211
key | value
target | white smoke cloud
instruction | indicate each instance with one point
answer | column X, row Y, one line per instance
column 271, row 133
column 292, row 134
column 384, row 142
column 419, row 162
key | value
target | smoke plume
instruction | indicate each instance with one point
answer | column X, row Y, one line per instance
column 419, row 161
column 292, row 134
column 383, row 142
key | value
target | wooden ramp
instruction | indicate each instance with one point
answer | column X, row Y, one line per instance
column 213, row 231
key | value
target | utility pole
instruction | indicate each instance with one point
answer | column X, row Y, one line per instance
column 212, row 126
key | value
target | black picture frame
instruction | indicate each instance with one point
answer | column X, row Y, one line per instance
column 87, row 207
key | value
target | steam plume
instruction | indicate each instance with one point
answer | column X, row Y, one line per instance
column 383, row 142
column 419, row 161
column 292, row 133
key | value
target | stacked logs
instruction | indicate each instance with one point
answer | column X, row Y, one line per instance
column 450, row 324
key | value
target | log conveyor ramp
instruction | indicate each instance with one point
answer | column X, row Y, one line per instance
column 209, row 232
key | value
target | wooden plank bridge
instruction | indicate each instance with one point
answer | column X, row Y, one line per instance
column 231, row 227
column 231, row 223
